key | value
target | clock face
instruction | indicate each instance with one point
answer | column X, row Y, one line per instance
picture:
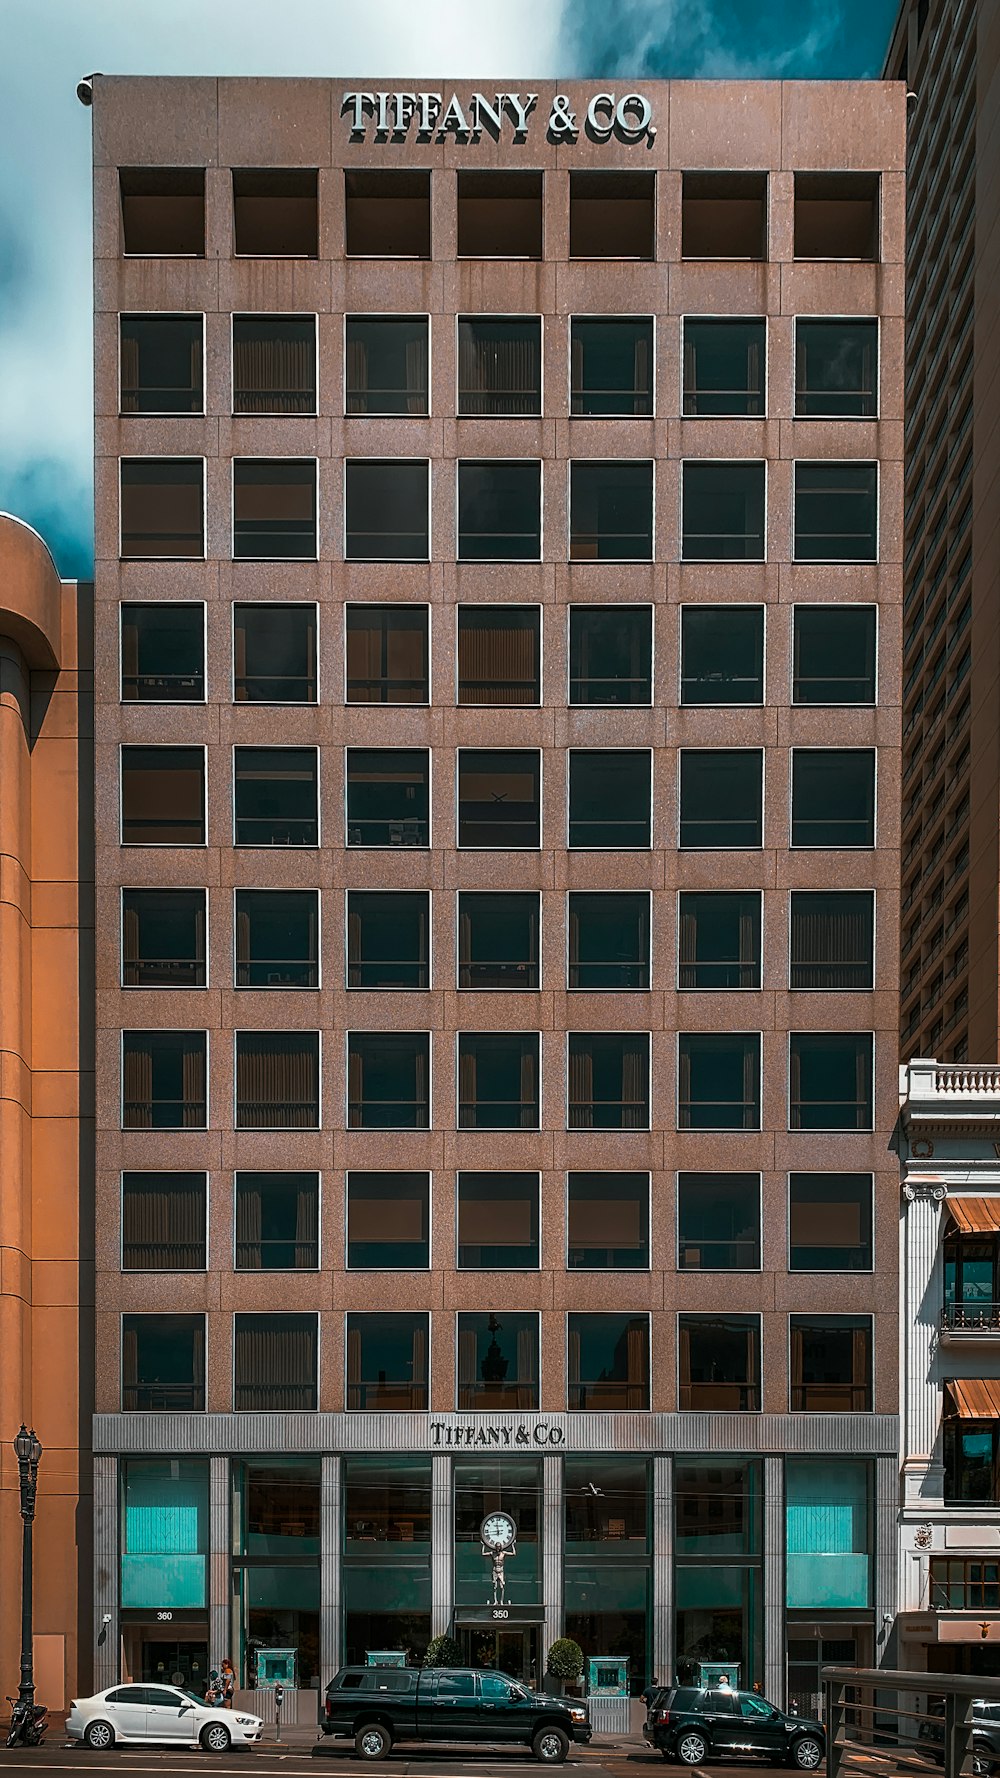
column 498, row 1531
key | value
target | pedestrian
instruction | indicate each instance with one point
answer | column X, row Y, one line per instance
column 650, row 1692
column 723, row 1683
column 227, row 1678
column 213, row 1691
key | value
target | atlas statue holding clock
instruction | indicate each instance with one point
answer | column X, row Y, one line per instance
column 498, row 1534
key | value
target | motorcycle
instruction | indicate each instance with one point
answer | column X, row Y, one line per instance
column 28, row 1723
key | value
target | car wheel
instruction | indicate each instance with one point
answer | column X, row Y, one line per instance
column 692, row 1748
column 807, row 1753
column 373, row 1742
column 215, row 1738
column 551, row 1746
column 99, row 1735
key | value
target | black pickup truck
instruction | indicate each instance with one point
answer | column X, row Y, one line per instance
column 379, row 1706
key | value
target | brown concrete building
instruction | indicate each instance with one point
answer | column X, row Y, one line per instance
column 46, row 1113
column 498, row 583
column 948, row 52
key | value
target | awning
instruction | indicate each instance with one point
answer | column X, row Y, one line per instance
column 975, row 1216
column 974, row 1399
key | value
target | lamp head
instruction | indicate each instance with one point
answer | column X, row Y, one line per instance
column 22, row 1445
column 36, row 1448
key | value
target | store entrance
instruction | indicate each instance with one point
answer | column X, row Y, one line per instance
column 513, row 1651
column 175, row 1663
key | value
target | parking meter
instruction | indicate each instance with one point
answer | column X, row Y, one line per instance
column 279, row 1699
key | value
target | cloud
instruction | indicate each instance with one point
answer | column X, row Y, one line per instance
column 715, row 39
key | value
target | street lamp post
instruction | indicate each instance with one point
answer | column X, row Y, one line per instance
column 28, row 1450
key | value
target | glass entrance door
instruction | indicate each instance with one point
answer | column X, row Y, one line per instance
column 511, row 1651
column 176, row 1663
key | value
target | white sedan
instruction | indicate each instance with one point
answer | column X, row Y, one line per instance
column 158, row 1713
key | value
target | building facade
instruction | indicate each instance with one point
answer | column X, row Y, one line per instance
column 498, row 585
column 948, row 52
column 46, row 1101
column 949, row 1607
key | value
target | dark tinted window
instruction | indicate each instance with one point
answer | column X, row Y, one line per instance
column 722, row 654
column 497, row 940
column 719, row 1363
column 386, row 1362
column 277, row 939
column 163, row 796
column 608, row 1222
column 162, row 508
column 386, row 510
column 719, row 939
column 836, row 369
column 387, row 939
column 163, row 653
column 498, row 1080
column 499, row 365
column 834, row 650
column 833, row 796
column 718, row 1080
column 610, row 654
column 499, row 512
column 721, row 797
column 386, row 364
column 276, row 796
column 161, row 364
column 163, row 938
column 163, row 1364
column 609, row 798
column 456, row 1685
column 830, row 1080
column 274, row 509
column 829, row 1222
column 608, row 940
column 612, row 366
column 275, row 1363
column 163, row 1080
column 274, row 364
column 611, row 512
column 277, row 1080
column 388, row 1221
column 388, row 796
column 836, row 512
column 724, row 366
column 498, row 798
column 497, row 1360
column 277, row 1222
column 499, row 654
column 163, row 1222
column 608, row 1362
column 832, row 939
column 608, row 1085
column 718, row 1222
column 723, row 511
column 497, row 1221
column 387, row 654
column 830, row 1364
column 387, row 1080
column 274, row 654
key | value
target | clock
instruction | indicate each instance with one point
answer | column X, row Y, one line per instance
column 498, row 1531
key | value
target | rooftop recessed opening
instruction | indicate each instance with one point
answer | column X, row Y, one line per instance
column 499, row 215
column 724, row 216
column 836, row 216
column 276, row 212
column 387, row 214
column 163, row 211
column 612, row 215
column 161, row 371
column 274, row 364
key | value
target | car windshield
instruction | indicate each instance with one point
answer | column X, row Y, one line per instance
column 194, row 1696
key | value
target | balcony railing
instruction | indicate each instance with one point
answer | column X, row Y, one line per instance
column 970, row 1318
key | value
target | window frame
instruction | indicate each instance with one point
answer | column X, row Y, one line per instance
column 720, row 1129
column 815, row 1315
column 189, row 457
column 366, row 1031
column 832, row 1272
column 314, row 1315
column 199, row 1314
column 685, row 561
column 428, row 1318
column 161, row 703
column 388, row 315
column 487, row 1408
column 194, row 1129
column 240, row 561
column 722, row 1314
column 282, row 1271
column 403, row 889
column 279, row 889
column 428, row 462
column 618, row 847
column 609, row 1271
column 837, row 605
column 164, row 845
column 525, row 1031
column 503, row 315
column 599, row 605
column 718, row 1271
column 411, row 1271
column 359, row 747
column 163, row 315
column 606, row 462
column 863, row 846
column 849, row 419
column 872, row 462
column 171, row 1272
column 680, row 750
column 726, row 605
column 722, row 889
column 872, row 985
column 275, row 315
column 689, row 315
column 567, row 896
column 480, row 1271
column 600, row 1130
column 164, row 987
column 491, row 605
column 357, row 604
column 289, row 704
column 277, row 747
column 461, row 891
column 609, row 315
column 624, row 1315
column 539, row 754
column 281, row 1129
column 831, row 1129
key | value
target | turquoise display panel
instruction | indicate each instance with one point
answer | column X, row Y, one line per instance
column 164, row 1535
column 828, row 1566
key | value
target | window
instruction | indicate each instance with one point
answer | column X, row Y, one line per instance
column 609, row 798
column 164, row 1539
column 388, row 796
column 277, row 1080
column 611, row 363
column 499, row 512
column 387, row 1080
column 387, row 214
column 610, row 654
column 386, row 364
column 499, row 650
column 274, row 510
column 608, row 1084
column 834, row 648
column 499, row 805
column 718, row 1222
column 163, row 1080
column 386, row 510
column 499, row 365
column 723, row 511
column 387, row 654
column 608, row 1222
column 607, row 1362
column 387, row 1362
column 387, row 1500
column 963, row 1585
column 163, row 796
column 718, row 1508
column 722, row 796
column 829, row 1535
column 163, row 1364
column 162, row 508
column 836, row 369
column 832, row 939
column 277, row 938
column 163, row 211
column 833, row 796
column 497, row 940
column 276, row 796
column 971, row 1456
column 497, row 1362
column 718, row 1080
column 161, row 364
column 615, row 1511
column 163, row 938
column 722, row 654
column 499, row 215
column 481, row 1485
column 719, row 939
column 274, row 364
column 387, row 939
column 970, row 1279
column 388, row 1222
column 830, row 1222
column 163, row 1222
column 719, row 1366
column 611, row 512
column 724, row 216
column 277, row 1222
column 498, row 1222
column 163, row 653
column 275, row 1369
column 608, row 941
column 612, row 215
column 498, row 1080
column 836, row 216
column 836, row 512
column 830, row 1364
column 274, row 650
column 830, row 1080
column 725, row 366
column 276, row 212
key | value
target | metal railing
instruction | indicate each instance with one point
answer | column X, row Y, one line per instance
column 885, row 1720
column 970, row 1318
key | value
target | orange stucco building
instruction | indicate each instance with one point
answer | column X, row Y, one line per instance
column 46, row 1021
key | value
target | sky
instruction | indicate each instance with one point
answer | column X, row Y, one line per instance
column 45, row 218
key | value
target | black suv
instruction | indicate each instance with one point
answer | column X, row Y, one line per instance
column 692, row 1723
column 378, row 1706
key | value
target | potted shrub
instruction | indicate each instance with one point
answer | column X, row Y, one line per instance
column 565, row 1665
column 443, row 1651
